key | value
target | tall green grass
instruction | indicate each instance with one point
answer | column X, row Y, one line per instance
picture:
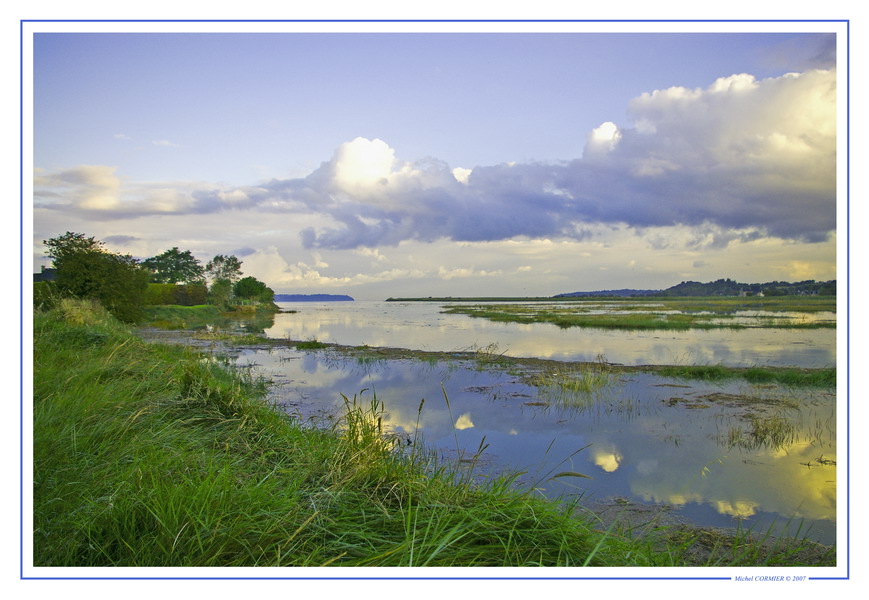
column 151, row 455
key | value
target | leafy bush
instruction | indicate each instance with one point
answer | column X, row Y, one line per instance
column 86, row 270
column 191, row 294
column 114, row 280
column 169, row 293
column 157, row 294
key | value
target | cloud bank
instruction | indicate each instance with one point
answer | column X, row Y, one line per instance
column 740, row 159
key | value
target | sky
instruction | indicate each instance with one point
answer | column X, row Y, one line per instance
column 445, row 164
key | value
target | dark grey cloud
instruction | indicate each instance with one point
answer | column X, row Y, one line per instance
column 242, row 252
column 121, row 240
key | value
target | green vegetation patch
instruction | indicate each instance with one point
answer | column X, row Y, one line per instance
column 310, row 345
column 658, row 314
column 790, row 376
column 573, row 385
column 181, row 317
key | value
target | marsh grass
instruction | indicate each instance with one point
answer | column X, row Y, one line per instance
column 148, row 455
column 787, row 376
column 485, row 356
column 573, row 385
column 660, row 314
column 242, row 339
column 716, row 548
column 311, row 344
column 771, row 431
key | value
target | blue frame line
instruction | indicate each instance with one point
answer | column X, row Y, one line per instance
column 21, row 301
column 848, row 304
column 22, row 23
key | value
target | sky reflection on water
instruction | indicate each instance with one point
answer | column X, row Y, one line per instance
column 421, row 326
column 643, row 438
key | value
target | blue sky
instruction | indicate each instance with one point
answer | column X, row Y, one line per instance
column 425, row 164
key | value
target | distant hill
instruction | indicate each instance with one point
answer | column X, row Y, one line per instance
column 312, row 298
column 725, row 287
column 621, row 293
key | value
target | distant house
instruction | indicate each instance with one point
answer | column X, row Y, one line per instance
column 45, row 275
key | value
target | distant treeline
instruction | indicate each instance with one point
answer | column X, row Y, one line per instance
column 726, row 287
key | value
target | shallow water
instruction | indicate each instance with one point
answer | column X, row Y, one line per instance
column 642, row 438
column 422, row 326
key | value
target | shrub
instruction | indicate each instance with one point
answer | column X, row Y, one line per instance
column 114, row 280
column 192, row 294
column 86, row 270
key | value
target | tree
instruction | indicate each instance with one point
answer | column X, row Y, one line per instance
column 224, row 267
column 71, row 243
column 86, row 270
column 251, row 288
column 220, row 293
column 174, row 266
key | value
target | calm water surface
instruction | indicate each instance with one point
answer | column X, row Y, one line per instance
column 422, row 326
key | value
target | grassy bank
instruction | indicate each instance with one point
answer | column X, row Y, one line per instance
column 173, row 316
column 152, row 455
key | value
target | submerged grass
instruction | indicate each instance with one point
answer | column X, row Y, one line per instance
column 151, row 455
column 573, row 385
column 772, row 431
